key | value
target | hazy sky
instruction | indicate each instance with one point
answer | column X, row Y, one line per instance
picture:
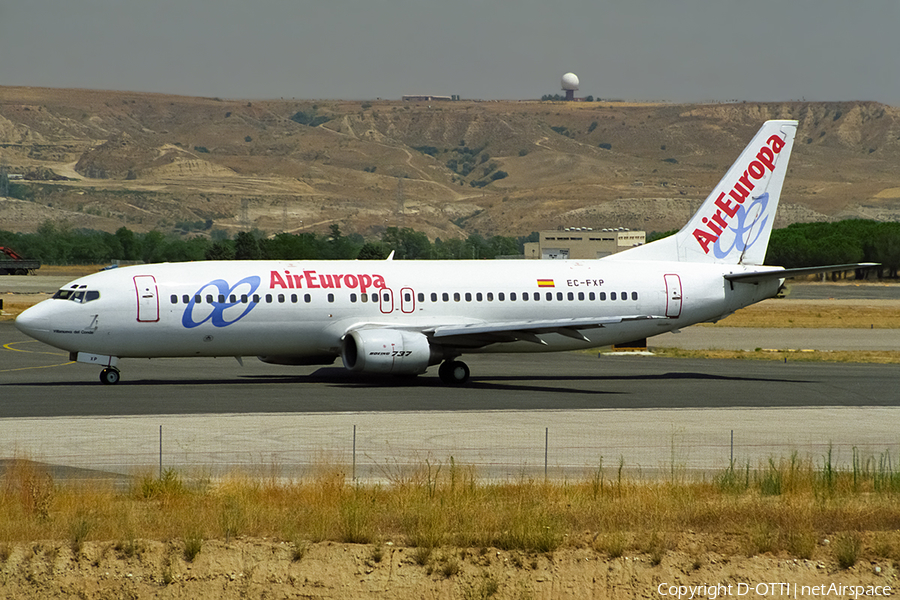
column 678, row 50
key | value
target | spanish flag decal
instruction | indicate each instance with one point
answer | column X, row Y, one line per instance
column 545, row 283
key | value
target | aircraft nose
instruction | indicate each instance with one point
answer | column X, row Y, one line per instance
column 33, row 321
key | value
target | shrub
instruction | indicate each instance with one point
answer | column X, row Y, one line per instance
column 847, row 548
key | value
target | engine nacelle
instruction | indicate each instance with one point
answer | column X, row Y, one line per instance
column 387, row 351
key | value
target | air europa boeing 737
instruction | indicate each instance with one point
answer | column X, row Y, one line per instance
column 402, row 317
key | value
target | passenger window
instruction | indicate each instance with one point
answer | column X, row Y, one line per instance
column 612, row 295
column 603, row 295
column 490, row 296
column 268, row 298
column 221, row 298
column 581, row 295
column 407, row 297
column 446, row 297
column 591, row 296
column 456, row 296
column 174, row 299
column 209, row 299
column 468, row 296
column 434, row 296
column 256, row 298
column 512, row 296
column 478, row 297
column 570, row 296
column 232, row 299
column 501, row 296
column 186, row 299
column 634, row 295
column 353, row 298
column 331, row 297
column 281, row 298
column 524, row 295
column 624, row 295
column 374, row 297
column 421, row 297
column 307, row 298
column 387, row 297
column 244, row 298
column 364, row 298
column 559, row 296
column 549, row 296
column 294, row 298
column 198, row 299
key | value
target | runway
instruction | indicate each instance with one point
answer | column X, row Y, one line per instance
column 577, row 410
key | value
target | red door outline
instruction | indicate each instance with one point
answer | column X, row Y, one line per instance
column 407, row 306
column 386, row 300
column 147, row 299
column 673, row 295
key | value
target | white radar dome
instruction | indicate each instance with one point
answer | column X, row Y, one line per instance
column 570, row 81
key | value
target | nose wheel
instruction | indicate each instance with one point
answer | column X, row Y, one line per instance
column 109, row 376
column 454, row 372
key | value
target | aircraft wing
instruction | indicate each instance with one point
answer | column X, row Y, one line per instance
column 759, row 276
column 481, row 334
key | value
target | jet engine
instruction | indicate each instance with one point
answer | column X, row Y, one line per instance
column 387, row 351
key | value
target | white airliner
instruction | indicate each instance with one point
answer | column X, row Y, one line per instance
column 402, row 317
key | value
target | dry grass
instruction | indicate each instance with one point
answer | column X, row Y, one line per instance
column 857, row 356
column 814, row 314
column 787, row 506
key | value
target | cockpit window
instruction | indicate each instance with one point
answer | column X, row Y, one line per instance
column 81, row 295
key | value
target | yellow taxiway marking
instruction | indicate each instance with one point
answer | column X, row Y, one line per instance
column 10, row 345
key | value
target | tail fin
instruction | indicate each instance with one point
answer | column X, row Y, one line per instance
column 734, row 223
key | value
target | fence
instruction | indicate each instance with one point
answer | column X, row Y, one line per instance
column 498, row 444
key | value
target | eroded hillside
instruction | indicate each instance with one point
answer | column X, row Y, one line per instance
column 447, row 168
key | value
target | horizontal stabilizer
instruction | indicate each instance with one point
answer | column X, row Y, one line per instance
column 759, row 276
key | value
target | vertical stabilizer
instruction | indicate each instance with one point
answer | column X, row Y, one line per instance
column 734, row 223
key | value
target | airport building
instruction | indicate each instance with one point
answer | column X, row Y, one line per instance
column 583, row 243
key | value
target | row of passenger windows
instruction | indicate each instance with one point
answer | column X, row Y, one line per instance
column 407, row 297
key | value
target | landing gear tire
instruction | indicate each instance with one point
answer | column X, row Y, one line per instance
column 454, row 372
column 109, row 376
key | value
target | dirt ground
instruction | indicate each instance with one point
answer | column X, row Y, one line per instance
column 261, row 568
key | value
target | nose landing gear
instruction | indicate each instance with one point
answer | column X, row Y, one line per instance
column 109, row 376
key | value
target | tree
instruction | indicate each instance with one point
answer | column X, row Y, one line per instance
column 374, row 251
column 407, row 243
column 246, row 247
column 221, row 250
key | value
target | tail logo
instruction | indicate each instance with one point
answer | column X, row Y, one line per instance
column 731, row 208
column 742, row 229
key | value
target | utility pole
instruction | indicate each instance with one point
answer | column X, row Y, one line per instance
column 4, row 182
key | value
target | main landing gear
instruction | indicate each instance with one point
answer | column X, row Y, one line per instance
column 109, row 376
column 454, row 372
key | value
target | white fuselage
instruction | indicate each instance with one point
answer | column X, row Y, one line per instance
column 305, row 308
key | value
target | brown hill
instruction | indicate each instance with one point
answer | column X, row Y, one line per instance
column 447, row 168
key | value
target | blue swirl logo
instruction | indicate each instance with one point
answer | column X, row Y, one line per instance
column 217, row 314
column 742, row 229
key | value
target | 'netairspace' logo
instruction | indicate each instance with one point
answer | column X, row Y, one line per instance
column 245, row 286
